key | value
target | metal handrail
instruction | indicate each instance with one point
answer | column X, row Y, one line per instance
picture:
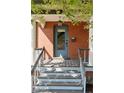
column 84, row 50
column 36, row 63
column 82, row 69
column 34, row 73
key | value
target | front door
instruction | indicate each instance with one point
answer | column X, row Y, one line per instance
column 61, row 41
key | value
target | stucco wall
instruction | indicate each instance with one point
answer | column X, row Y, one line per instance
column 45, row 37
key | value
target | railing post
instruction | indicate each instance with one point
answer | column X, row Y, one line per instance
column 82, row 68
column 84, row 56
column 84, row 84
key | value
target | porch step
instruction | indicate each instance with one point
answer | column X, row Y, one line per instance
column 59, row 91
column 60, row 77
column 59, row 80
column 59, row 84
column 58, row 69
column 41, row 88
column 60, row 74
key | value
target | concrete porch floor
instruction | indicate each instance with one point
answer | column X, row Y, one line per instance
column 60, row 62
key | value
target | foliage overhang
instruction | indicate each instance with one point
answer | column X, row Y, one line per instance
column 75, row 10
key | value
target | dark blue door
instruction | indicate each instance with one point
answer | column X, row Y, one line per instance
column 61, row 41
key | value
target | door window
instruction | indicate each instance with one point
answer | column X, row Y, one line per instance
column 61, row 39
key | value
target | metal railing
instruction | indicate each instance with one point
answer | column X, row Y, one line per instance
column 83, row 53
column 35, row 68
column 37, row 60
column 82, row 60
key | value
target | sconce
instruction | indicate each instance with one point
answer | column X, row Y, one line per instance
column 73, row 38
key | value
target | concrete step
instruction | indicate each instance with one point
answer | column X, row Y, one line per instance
column 40, row 88
column 59, row 84
column 59, row 91
column 58, row 69
column 59, row 80
column 59, row 74
column 62, row 75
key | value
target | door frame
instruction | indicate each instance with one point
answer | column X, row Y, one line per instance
column 54, row 38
